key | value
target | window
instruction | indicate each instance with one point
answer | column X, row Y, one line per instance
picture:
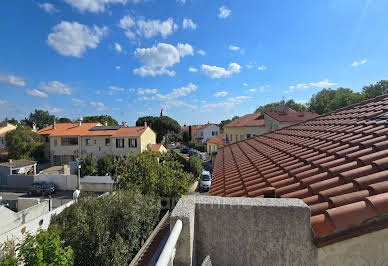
column 2, row 141
column 107, row 142
column 248, row 135
column 95, row 141
column 47, row 139
column 231, row 137
column 212, row 133
column 87, row 142
column 236, row 137
column 55, row 142
column 119, row 143
column 132, row 143
column 69, row 141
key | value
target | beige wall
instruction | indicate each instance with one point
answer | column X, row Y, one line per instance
column 7, row 128
column 368, row 249
column 270, row 123
column 240, row 133
column 211, row 147
column 96, row 147
column 148, row 137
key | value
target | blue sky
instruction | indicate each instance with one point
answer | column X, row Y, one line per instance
column 200, row 60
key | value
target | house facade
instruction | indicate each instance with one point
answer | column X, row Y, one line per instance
column 4, row 129
column 205, row 132
column 214, row 143
column 65, row 142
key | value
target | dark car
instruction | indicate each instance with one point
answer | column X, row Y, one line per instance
column 41, row 188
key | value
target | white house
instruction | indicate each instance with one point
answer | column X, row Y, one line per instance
column 206, row 132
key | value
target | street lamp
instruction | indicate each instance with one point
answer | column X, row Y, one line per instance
column 79, row 173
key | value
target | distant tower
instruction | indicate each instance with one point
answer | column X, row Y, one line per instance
column 161, row 112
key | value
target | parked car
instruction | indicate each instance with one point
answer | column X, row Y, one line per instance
column 41, row 188
column 205, row 182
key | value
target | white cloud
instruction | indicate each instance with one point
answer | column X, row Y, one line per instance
column 48, row 8
column 181, row 1
column 193, row 69
column 251, row 65
column 36, row 93
column 229, row 103
column 117, row 67
column 201, row 52
column 142, row 91
column 147, row 28
column 176, row 93
column 158, row 58
column 302, row 101
column 358, row 63
column 245, row 84
column 118, row 47
column 73, row 38
column 94, row 6
column 234, row 48
column 220, row 72
column 262, row 67
column 323, row 84
column 3, row 101
column 188, row 24
column 52, row 109
column 252, row 90
column 119, row 100
column 221, row 93
column 177, row 103
column 56, row 87
column 98, row 105
column 224, row 12
column 145, row 71
column 116, row 89
column 78, row 102
column 13, row 80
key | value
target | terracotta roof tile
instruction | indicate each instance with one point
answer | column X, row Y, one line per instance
column 291, row 116
column 336, row 163
column 248, row 120
column 217, row 139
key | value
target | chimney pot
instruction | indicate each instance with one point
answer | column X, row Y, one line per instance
column 34, row 127
column 79, row 123
column 54, row 125
column 124, row 124
column 145, row 125
column 10, row 160
column 105, row 123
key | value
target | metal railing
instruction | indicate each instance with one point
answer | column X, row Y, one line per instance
column 167, row 256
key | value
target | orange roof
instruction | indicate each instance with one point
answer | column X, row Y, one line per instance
column 70, row 129
column 217, row 139
column 128, row 131
column 291, row 116
column 155, row 147
column 249, row 120
column 67, row 129
column 336, row 163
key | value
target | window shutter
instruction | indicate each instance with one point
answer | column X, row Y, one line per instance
column 135, row 143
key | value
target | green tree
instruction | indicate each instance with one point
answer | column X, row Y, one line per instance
column 195, row 166
column 12, row 121
column 87, row 165
column 107, row 230
column 8, row 255
column 45, row 248
column 375, row 90
column 64, row 120
column 23, row 143
column 328, row 100
column 290, row 103
column 162, row 125
column 152, row 173
column 40, row 118
column 104, row 165
column 100, row 119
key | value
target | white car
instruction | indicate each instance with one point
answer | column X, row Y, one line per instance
column 206, row 181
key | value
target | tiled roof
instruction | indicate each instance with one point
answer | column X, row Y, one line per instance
column 291, row 116
column 155, row 147
column 70, row 129
column 217, row 139
column 337, row 164
column 249, row 120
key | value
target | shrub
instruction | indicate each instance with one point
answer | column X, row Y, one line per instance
column 87, row 166
column 104, row 165
column 108, row 230
column 195, row 166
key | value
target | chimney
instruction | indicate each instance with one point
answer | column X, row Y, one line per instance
column 80, row 121
column 34, row 128
column 10, row 160
column 54, row 125
column 145, row 125
column 105, row 123
column 269, row 192
column 124, row 124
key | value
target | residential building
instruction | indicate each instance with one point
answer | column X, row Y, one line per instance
column 201, row 133
column 64, row 142
column 4, row 129
column 328, row 183
column 215, row 143
column 158, row 147
column 17, row 173
column 205, row 132
column 244, row 127
column 256, row 124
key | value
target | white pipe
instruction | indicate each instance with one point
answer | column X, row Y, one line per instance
column 169, row 248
